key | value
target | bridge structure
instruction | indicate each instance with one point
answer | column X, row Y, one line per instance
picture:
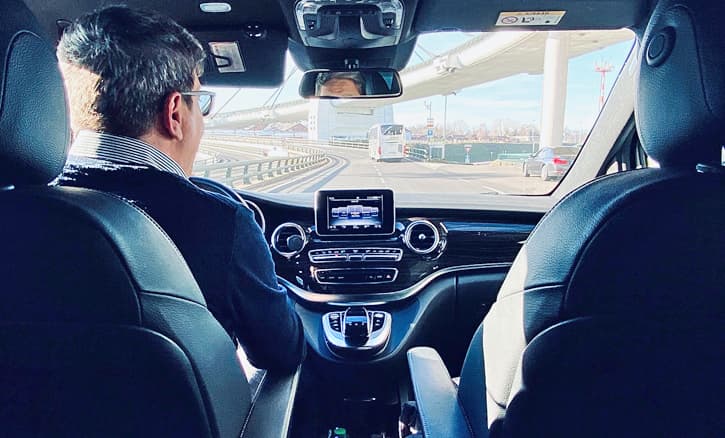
column 484, row 58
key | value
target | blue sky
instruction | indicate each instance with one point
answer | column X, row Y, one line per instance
column 516, row 98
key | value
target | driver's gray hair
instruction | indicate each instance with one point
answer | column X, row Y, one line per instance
column 120, row 65
column 354, row 76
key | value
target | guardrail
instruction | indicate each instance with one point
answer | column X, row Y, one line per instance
column 233, row 173
column 290, row 142
column 418, row 153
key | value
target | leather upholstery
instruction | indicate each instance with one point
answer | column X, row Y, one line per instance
column 652, row 378
column 103, row 329
column 680, row 106
column 33, row 121
column 606, row 323
column 80, row 260
column 272, row 404
column 643, row 243
column 436, row 396
column 472, row 386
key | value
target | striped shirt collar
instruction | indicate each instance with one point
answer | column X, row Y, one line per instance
column 124, row 150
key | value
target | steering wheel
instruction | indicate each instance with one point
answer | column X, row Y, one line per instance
column 214, row 186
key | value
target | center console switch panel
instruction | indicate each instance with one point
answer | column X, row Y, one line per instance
column 356, row 276
column 355, row 255
column 357, row 331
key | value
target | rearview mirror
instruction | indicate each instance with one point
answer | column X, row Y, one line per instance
column 351, row 84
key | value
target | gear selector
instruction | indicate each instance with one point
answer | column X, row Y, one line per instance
column 357, row 327
column 357, row 331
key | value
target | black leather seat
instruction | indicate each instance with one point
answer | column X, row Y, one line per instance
column 103, row 329
column 611, row 320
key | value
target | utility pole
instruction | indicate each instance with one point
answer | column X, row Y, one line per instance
column 445, row 118
column 602, row 68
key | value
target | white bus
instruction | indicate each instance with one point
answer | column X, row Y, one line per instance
column 386, row 142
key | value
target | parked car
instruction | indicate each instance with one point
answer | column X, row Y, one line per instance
column 550, row 163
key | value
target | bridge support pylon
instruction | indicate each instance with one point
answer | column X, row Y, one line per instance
column 330, row 118
column 556, row 69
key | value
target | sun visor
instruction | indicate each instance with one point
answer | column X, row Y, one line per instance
column 252, row 56
column 529, row 15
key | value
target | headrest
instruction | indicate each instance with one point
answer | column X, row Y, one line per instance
column 34, row 125
column 680, row 110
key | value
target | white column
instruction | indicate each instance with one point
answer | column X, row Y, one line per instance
column 556, row 67
column 329, row 118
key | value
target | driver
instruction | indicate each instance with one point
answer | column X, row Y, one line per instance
column 340, row 84
column 137, row 110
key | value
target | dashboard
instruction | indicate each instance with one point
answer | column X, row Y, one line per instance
column 370, row 279
column 355, row 246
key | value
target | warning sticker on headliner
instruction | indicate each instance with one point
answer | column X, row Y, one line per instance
column 530, row 18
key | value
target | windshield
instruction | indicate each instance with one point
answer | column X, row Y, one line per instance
column 477, row 113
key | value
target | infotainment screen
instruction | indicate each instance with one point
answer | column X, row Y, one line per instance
column 354, row 212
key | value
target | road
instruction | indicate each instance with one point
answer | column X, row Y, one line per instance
column 354, row 168
column 348, row 168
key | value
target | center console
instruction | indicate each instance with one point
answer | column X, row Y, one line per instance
column 356, row 249
column 356, row 246
column 369, row 281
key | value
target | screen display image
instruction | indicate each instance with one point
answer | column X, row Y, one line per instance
column 359, row 212
column 355, row 213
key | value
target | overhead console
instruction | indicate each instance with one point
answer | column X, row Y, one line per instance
column 339, row 34
column 349, row 23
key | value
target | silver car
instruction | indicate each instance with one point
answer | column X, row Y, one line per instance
column 550, row 163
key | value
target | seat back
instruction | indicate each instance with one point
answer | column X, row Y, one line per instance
column 626, row 377
column 103, row 329
column 645, row 245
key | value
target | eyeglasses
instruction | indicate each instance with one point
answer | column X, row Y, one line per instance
column 206, row 100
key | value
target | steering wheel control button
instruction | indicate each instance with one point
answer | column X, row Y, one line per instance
column 357, row 332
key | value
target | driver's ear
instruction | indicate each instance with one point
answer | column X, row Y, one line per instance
column 172, row 116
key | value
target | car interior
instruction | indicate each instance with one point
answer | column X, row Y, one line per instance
column 596, row 309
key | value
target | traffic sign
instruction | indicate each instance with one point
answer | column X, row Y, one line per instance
column 430, row 133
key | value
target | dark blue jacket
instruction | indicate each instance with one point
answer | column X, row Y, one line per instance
column 223, row 246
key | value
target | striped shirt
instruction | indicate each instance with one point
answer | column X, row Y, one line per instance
column 123, row 150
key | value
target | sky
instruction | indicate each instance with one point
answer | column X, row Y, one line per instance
column 516, row 98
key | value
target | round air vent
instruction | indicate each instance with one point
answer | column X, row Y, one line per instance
column 422, row 237
column 288, row 239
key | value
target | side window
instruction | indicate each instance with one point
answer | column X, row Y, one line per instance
column 628, row 153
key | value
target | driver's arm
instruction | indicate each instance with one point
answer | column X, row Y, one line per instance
column 264, row 319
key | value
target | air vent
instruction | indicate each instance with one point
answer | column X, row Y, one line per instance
column 288, row 239
column 422, row 237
